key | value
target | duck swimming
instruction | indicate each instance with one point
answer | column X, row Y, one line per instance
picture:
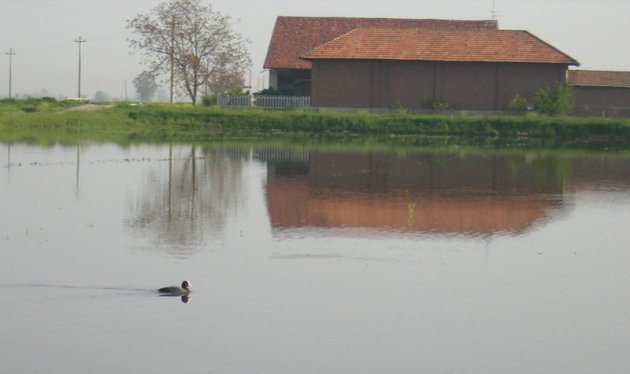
column 184, row 290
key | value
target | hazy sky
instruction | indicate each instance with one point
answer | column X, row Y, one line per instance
column 42, row 34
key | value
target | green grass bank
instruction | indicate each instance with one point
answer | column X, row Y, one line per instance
column 162, row 122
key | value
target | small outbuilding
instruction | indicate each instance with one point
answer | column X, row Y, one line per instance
column 601, row 93
column 468, row 69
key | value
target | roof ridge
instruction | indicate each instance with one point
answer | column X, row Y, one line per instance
column 390, row 18
column 332, row 40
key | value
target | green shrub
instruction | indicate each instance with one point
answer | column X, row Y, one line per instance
column 209, row 100
column 402, row 110
column 280, row 91
column 438, row 104
column 43, row 106
column 519, row 104
column 558, row 100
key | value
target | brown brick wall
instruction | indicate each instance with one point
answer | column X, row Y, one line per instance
column 525, row 80
column 467, row 86
column 412, row 83
column 602, row 101
column 342, row 84
column 394, row 84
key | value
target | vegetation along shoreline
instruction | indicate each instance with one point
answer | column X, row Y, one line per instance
column 168, row 122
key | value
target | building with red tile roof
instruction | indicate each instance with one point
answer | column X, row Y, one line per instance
column 476, row 70
column 384, row 63
column 601, row 93
column 599, row 78
column 294, row 36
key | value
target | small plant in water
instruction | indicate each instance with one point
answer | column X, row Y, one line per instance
column 411, row 206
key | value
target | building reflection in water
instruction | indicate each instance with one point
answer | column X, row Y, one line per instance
column 443, row 193
column 200, row 192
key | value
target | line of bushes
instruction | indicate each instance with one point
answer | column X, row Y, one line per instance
column 32, row 105
column 397, row 123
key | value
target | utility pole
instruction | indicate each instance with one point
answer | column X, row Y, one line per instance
column 172, row 58
column 10, row 54
column 79, row 40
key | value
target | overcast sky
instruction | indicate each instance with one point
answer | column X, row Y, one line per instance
column 42, row 34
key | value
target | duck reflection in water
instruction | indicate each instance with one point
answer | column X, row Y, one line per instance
column 183, row 291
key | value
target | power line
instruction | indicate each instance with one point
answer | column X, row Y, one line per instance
column 48, row 48
column 69, row 8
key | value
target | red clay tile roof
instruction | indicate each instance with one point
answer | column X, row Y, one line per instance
column 596, row 78
column 440, row 45
column 294, row 36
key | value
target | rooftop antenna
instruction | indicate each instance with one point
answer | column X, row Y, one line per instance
column 493, row 12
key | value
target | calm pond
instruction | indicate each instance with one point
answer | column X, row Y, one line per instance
column 313, row 260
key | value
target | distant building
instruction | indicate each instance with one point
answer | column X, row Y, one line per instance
column 601, row 93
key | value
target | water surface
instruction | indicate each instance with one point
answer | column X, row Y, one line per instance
column 312, row 261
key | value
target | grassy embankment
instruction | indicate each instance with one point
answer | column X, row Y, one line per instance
column 45, row 122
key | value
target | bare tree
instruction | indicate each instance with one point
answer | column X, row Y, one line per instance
column 191, row 41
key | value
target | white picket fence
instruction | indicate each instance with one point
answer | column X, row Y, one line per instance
column 264, row 101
